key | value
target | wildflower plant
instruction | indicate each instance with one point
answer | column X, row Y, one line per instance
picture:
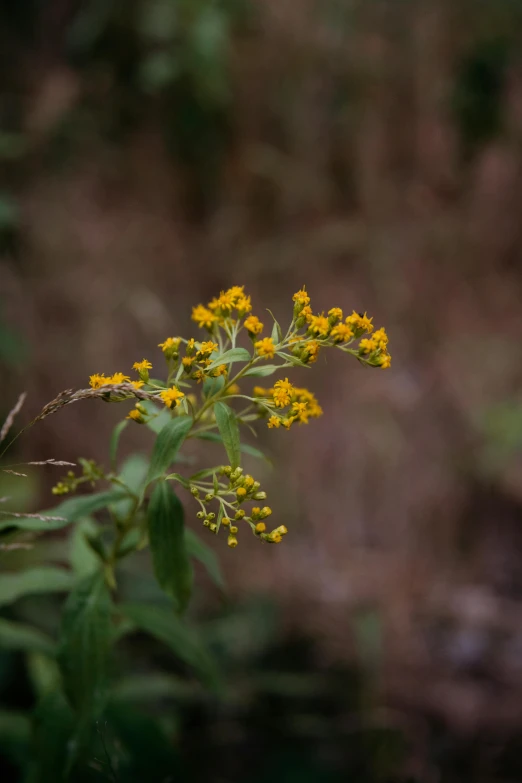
column 203, row 387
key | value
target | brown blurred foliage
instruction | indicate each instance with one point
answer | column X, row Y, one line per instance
column 372, row 150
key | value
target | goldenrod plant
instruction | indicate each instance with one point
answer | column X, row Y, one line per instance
column 205, row 390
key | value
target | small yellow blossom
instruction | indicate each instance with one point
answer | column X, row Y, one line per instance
column 243, row 305
column 385, row 361
column 170, row 346
column 172, row 397
column 282, row 530
column 206, row 348
column 191, row 346
column 137, row 384
column 360, row 323
column 203, row 317
column 225, row 521
column 221, row 369
column 287, row 423
column 299, row 410
column 341, row 333
column 97, row 381
column 310, row 352
column 319, row 325
column 199, row 376
column 307, row 313
column 301, row 297
column 367, row 346
column 232, row 542
column 248, row 482
column 223, row 304
column 274, row 421
column 135, row 415
column 282, row 393
column 143, row 365
column 253, row 324
column 381, row 338
column 275, row 537
column 118, row 377
column 260, row 527
column 265, row 347
column 241, row 493
column 188, row 361
column 335, row 314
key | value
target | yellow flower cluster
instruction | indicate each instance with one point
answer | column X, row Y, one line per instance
column 231, row 496
column 301, row 403
column 201, row 373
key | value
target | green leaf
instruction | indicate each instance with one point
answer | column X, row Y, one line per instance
column 167, row 544
column 16, row 636
column 115, row 439
column 45, row 579
column 261, row 370
column 85, row 640
column 277, row 334
column 176, row 634
column 200, row 551
column 233, row 355
column 15, row 737
column 244, row 447
column 70, row 510
column 133, row 474
column 53, row 725
column 167, row 445
column 82, row 558
column 160, row 417
column 212, row 386
column 229, row 430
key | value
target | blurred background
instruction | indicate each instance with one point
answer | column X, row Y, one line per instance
column 153, row 152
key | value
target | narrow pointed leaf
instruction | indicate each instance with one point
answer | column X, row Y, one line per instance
column 261, row 370
column 85, row 642
column 45, row 579
column 206, row 556
column 115, row 439
column 229, row 430
column 172, row 566
column 167, row 445
column 69, row 511
column 176, row 634
column 17, row 636
column 233, row 355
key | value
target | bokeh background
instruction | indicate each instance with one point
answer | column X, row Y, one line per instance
column 153, row 152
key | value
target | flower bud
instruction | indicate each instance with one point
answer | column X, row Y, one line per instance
column 260, row 496
column 239, row 514
column 194, row 491
column 213, row 527
column 233, row 529
column 260, row 527
column 200, row 514
column 209, row 497
column 232, row 541
column 225, row 521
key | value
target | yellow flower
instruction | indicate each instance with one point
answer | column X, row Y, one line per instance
column 118, row 377
column 188, row 361
column 260, row 527
column 310, row 352
column 274, row 421
column 137, row 384
column 135, row 415
column 335, row 314
column 306, row 313
column 287, row 423
column 206, row 348
column 232, row 542
column 234, row 388
column 223, row 304
column 203, row 317
column 253, row 324
column 265, row 347
column 172, row 397
column 301, row 297
column 170, row 345
column 341, row 333
column 313, row 409
column 97, row 381
column 367, row 346
column 381, row 338
column 275, row 537
column 258, row 391
column 143, row 365
column 191, row 345
column 360, row 323
column 282, row 393
column 243, row 305
column 241, row 493
column 248, row 482
column 319, row 325
column 222, row 369
column 385, row 360
column 299, row 411
column 199, row 376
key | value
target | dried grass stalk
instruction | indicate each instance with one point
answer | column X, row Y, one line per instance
column 11, row 416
